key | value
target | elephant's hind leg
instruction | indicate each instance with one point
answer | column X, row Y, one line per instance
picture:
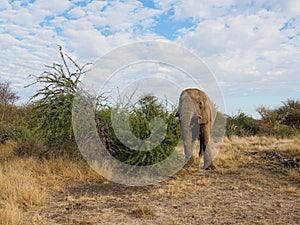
column 203, row 138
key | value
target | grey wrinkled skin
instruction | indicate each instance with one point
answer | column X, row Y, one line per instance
column 197, row 114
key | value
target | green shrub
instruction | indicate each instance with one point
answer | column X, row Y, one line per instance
column 291, row 112
column 242, row 125
column 139, row 117
column 287, row 131
column 283, row 121
column 28, row 142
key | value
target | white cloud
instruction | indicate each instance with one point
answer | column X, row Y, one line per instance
column 203, row 9
column 94, row 7
column 165, row 5
column 54, row 6
column 120, row 16
column 76, row 13
column 4, row 5
column 287, row 7
column 6, row 41
column 292, row 6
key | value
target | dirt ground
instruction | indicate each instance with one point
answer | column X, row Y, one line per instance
column 253, row 187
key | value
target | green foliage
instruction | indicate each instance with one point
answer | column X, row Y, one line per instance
column 272, row 119
column 139, row 118
column 242, row 125
column 291, row 112
column 145, row 110
column 287, row 131
column 52, row 116
column 28, row 142
column 283, row 121
column 53, row 119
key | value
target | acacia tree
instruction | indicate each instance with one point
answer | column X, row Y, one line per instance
column 291, row 108
column 52, row 104
column 282, row 121
column 272, row 119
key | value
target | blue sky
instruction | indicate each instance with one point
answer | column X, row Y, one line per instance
column 252, row 47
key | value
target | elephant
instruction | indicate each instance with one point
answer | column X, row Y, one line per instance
column 196, row 114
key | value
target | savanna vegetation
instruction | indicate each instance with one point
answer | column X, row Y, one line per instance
column 40, row 160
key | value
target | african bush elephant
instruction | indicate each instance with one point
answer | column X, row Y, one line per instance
column 197, row 114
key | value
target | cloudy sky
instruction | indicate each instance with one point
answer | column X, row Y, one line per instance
column 252, row 47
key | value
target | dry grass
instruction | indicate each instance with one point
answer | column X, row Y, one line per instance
column 20, row 187
column 289, row 188
column 6, row 150
column 19, row 191
column 11, row 214
column 236, row 150
column 295, row 174
column 26, row 182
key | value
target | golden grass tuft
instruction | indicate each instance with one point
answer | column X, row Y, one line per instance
column 7, row 149
column 294, row 174
column 142, row 212
column 19, row 186
column 10, row 214
column 19, row 191
column 289, row 188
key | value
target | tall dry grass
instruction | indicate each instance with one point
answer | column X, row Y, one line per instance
column 26, row 182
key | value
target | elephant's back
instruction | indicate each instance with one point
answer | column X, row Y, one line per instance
column 192, row 93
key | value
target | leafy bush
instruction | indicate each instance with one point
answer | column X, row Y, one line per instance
column 242, row 125
column 29, row 143
column 140, row 121
column 283, row 121
column 287, row 131
column 291, row 112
